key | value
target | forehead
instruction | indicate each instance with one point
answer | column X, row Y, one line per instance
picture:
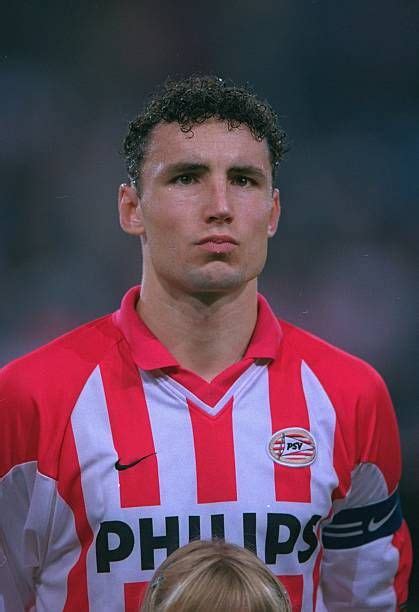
column 211, row 143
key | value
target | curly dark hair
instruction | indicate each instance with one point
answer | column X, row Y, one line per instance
column 194, row 100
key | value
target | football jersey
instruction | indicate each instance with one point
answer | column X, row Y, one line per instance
column 112, row 456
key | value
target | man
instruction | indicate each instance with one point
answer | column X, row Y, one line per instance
column 192, row 412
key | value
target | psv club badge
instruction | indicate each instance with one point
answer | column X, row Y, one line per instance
column 294, row 447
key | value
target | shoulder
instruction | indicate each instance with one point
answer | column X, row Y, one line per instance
column 366, row 427
column 39, row 391
column 64, row 359
column 343, row 376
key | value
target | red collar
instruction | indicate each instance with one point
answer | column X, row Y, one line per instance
column 150, row 354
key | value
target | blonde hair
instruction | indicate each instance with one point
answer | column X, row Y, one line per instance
column 216, row 576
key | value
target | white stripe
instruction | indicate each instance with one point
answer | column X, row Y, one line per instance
column 322, row 420
column 342, row 526
column 252, row 430
column 344, row 535
column 63, row 553
column 173, row 442
column 324, row 479
column 39, row 538
column 99, row 479
column 252, row 427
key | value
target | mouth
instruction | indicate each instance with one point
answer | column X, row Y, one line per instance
column 218, row 244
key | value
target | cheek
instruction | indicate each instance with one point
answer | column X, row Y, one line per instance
column 165, row 240
column 256, row 227
column 159, row 223
column 256, row 240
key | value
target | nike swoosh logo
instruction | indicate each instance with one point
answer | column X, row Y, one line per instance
column 124, row 466
column 374, row 525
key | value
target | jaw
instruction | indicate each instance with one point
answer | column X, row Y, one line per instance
column 218, row 277
column 216, row 274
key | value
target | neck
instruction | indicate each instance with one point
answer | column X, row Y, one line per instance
column 204, row 335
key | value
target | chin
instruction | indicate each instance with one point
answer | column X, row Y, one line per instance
column 217, row 281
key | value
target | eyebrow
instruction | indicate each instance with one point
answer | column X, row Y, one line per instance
column 186, row 167
column 200, row 167
column 248, row 169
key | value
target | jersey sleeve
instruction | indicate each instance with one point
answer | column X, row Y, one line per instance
column 27, row 497
column 367, row 548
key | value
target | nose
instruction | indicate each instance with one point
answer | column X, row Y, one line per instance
column 219, row 208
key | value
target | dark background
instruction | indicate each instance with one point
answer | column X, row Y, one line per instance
column 344, row 78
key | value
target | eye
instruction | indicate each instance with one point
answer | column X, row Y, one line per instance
column 243, row 181
column 184, row 179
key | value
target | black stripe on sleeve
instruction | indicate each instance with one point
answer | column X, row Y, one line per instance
column 357, row 526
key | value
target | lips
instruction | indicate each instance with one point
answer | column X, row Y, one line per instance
column 218, row 239
column 218, row 244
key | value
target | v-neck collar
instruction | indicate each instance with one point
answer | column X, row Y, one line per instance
column 150, row 354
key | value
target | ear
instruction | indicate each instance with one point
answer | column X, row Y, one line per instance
column 275, row 214
column 130, row 213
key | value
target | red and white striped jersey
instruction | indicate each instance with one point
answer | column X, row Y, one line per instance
column 112, row 456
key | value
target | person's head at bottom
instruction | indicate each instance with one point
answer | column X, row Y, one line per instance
column 214, row 576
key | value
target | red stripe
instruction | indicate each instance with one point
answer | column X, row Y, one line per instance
column 289, row 409
column 17, row 445
column 131, row 430
column 214, row 454
column 297, row 455
column 70, row 488
column 294, row 586
column 134, row 594
column 401, row 540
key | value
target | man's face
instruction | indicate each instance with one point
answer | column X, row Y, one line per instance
column 205, row 208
